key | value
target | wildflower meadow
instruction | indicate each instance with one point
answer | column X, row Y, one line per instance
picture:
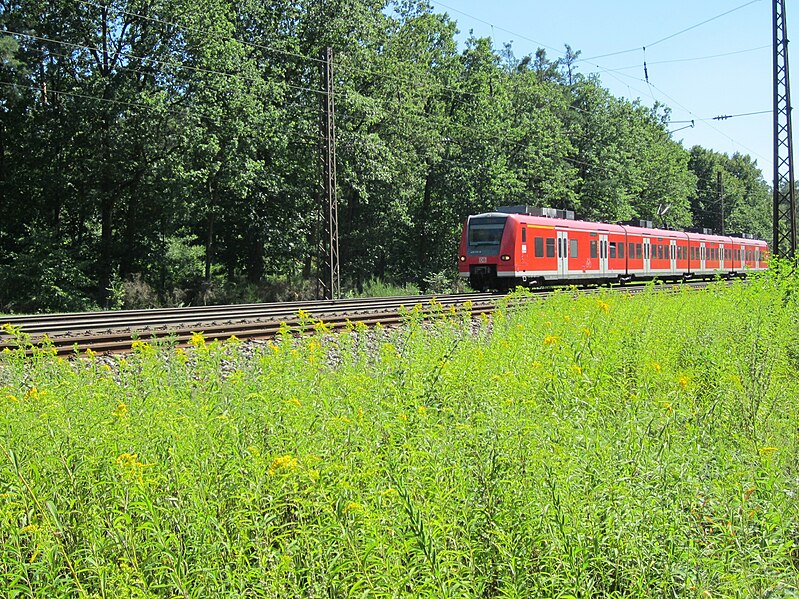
column 606, row 445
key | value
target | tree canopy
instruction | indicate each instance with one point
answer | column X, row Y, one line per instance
column 171, row 147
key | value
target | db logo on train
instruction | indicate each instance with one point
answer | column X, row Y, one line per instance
column 483, row 260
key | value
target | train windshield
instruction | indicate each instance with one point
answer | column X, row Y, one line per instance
column 486, row 233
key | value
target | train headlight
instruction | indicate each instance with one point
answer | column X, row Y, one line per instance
column 463, row 258
column 505, row 258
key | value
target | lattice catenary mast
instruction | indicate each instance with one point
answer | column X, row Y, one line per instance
column 328, row 279
column 784, row 192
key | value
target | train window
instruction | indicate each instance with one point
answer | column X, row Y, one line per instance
column 524, row 234
column 621, row 250
column 560, row 244
column 573, row 248
column 550, row 247
column 660, row 252
column 539, row 247
column 612, row 249
column 631, row 250
column 593, row 248
column 638, row 253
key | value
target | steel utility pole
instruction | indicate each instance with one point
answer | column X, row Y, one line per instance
column 720, row 190
column 784, row 193
column 328, row 279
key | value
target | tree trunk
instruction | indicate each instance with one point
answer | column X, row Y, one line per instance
column 424, row 218
column 209, row 245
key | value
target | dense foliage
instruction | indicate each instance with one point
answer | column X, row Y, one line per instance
column 604, row 446
column 166, row 151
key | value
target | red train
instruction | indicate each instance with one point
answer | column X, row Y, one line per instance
column 521, row 246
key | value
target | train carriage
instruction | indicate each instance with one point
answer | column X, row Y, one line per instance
column 517, row 246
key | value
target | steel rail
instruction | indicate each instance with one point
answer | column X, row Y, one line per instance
column 133, row 319
column 71, row 334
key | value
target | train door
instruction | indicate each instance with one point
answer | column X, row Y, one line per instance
column 673, row 255
column 721, row 256
column 563, row 253
column 647, row 250
column 603, row 253
column 702, row 256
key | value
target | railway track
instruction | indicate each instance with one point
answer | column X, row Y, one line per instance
column 115, row 331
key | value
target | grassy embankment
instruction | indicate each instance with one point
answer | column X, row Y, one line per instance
column 605, row 446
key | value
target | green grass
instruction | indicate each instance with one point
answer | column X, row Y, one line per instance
column 605, row 446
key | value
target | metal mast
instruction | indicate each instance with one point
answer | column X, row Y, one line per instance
column 329, row 275
column 784, row 193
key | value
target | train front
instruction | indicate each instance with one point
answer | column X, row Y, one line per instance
column 485, row 255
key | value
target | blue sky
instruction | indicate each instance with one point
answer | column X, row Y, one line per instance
column 719, row 67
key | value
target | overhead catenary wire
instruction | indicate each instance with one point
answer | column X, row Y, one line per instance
column 203, row 31
column 610, row 72
column 673, row 35
column 299, row 88
column 154, row 61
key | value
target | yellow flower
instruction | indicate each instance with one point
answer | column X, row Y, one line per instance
column 121, row 411
column 668, row 407
column 131, row 467
column 322, row 327
column 577, row 369
column 767, row 450
column 293, row 401
column 656, row 366
column 197, row 340
column 181, row 355
column 90, row 353
column 34, row 393
column 683, row 382
column 353, row 506
column 551, row 339
column 284, row 462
